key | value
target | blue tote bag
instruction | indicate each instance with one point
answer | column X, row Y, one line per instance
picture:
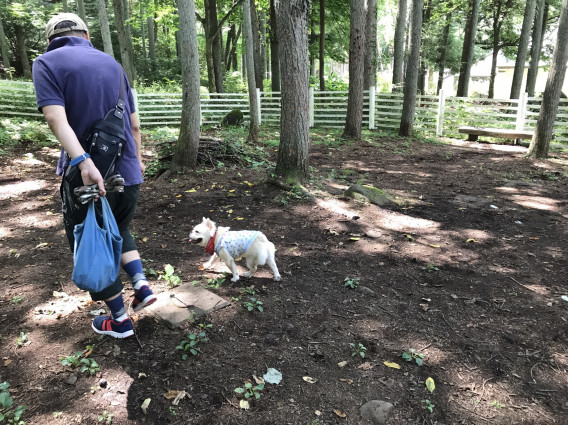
column 97, row 250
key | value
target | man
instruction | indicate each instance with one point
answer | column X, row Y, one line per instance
column 76, row 85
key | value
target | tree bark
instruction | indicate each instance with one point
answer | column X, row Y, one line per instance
column 370, row 67
column 398, row 54
column 411, row 80
column 274, row 50
column 543, row 133
column 258, row 63
column 292, row 29
column 81, row 10
column 65, row 6
column 105, row 29
column 4, row 48
column 443, row 52
column 249, row 52
column 522, row 50
column 322, row 45
column 151, row 42
column 186, row 148
column 536, row 48
column 467, row 50
column 354, row 119
column 123, row 40
column 422, row 86
column 22, row 51
column 496, row 48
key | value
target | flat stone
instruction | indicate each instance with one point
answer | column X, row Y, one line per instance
column 376, row 411
column 183, row 302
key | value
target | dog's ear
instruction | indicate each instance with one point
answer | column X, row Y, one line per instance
column 210, row 225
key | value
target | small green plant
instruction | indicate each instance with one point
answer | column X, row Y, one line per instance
column 216, row 282
column 351, row 282
column 173, row 410
column 106, row 417
column 250, row 391
column 57, row 415
column 358, row 350
column 411, row 355
column 428, row 405
column 253, row 304
column 169, row 276
column 7, row 411
column 497, row 405
column 192, row 343
column 79, row 360
column 17, row 300
column 431, row 268
column 22, row 340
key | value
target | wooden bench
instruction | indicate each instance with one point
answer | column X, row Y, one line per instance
column 474, row 133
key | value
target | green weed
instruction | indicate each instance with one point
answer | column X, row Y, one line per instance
column 169, row 276
column 191, row 344
column 412, row 355
column 7, row 411
column 358, row 350
column 248, row 390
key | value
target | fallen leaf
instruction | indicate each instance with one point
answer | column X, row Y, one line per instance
column 7, row 362
column 339, row 413
column 365, row 366
column 57, row 294
column 425, row 307
column 309, row 379
column 318, row 413
column 354, row 239
column 240, row 218
column 409, row 237
column 145, row 405
column 171, row 394
column 145, row 240
column 471, row 240
column 180, row 395
column 179, row 196
column 143, row 375
column 258, row 380
column 349, row 381
column 191, row 191
column 392, row 364
column 244, row 404
column 430, row 384
column 342, row 364
column 272, row 376
column 435, row 246
column 41, row 245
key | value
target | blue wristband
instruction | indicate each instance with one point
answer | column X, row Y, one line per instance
column 79, row 159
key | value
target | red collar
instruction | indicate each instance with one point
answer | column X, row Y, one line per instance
column 210, row 248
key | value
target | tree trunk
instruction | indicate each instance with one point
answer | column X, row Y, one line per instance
column 143, row 36
column 151, row 42
column 411, row 80
column 274, row 50
column 249, row 52
column 128, row 29
column 214, row 46
column 423, row 70
column 370, row 68
column 122, row 40
column 467, row 50
column 398, row 54
column 105, row 29
column 4, row 48
column 536, row 48
column 258, row 63
column 292, row 27
column 540, row 142
column 443, row 52
column 81, row 10
column 186, row 148
column 522, row 50
column 354, row 119
column 22, row 51
column 230, row 36
column 262, row 35
column 232, row 54
column 64, row 6
column 322, row 45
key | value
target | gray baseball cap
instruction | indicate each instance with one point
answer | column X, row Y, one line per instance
column 79, row 25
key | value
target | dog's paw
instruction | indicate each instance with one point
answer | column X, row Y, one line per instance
column 277, row 278
column 235, row 279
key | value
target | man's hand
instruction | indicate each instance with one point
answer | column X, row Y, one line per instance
column 91, row 175
column 142, row 166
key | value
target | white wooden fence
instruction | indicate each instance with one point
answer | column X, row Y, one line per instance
column 437, row 115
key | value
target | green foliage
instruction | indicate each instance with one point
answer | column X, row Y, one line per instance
column 428, row 405
column 106, row 417
column 169, row 276
column 358, row 350
column 7, row 411
column 248, row 390
column 22, row 340
column 191, row 344
column 79, row 360
column 215, row 283
column 411, row 355
column 351, row 282
column 431, row 268
column 253, row 304
column 235, row 83
column 497, row 405
column 17, row 299
column 30, row 134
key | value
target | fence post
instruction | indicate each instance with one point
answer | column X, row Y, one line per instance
column 372, row 91
column 311, row 105
column 522, row 111
column 440, row 115
column 258, row 103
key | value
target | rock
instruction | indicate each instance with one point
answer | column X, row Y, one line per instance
column 371, row 194
column 376, row 411
column 103, row 383
column 72, row 379
column 234, row 117
column 366, row 291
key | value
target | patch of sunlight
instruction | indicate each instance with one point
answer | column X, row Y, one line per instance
column 537, row 202
column 40, row 222
column 29, row 160
column 404, row 223
column 4, row 232
column 62, row 305
column 561, row 359
column 17, row 189
column 336, row 207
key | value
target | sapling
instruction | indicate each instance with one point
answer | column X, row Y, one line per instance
column 358, row 350
column 250, row 391
column 411, row 355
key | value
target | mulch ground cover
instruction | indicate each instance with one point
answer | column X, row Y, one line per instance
column 458, row 283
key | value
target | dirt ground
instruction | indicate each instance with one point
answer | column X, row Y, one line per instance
column 467, row 268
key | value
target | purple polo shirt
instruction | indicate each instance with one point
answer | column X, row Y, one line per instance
column 85, row 81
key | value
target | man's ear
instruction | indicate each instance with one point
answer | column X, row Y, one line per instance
column 86, row 36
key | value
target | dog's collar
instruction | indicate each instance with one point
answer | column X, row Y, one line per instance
column 210, row 248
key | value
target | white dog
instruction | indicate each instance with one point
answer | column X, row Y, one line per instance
column 232, row 245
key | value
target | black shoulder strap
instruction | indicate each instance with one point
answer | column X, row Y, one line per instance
column 120, row 103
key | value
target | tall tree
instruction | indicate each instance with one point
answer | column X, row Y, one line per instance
column 411, row 80
column 322, row 45
column 105, row 30
column 540, row 142
column 426, row 14
column 398, row 53
column 522, row 50
column 249, row 63
column 151, row 43
column 293, row 152
column 258, row 62
column 500, row 10
column 274, row 48
column 444, row 49
column 370, row 68
column 186, row 148
column 536, row 47
column 22, row 51
column 4, row 48
column 467, row 50
column 127, row 64
column 354, row 119
column 81, row 10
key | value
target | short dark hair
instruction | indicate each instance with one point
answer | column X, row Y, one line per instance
column 67, row 24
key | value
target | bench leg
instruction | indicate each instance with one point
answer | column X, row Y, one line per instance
column 472, row 137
